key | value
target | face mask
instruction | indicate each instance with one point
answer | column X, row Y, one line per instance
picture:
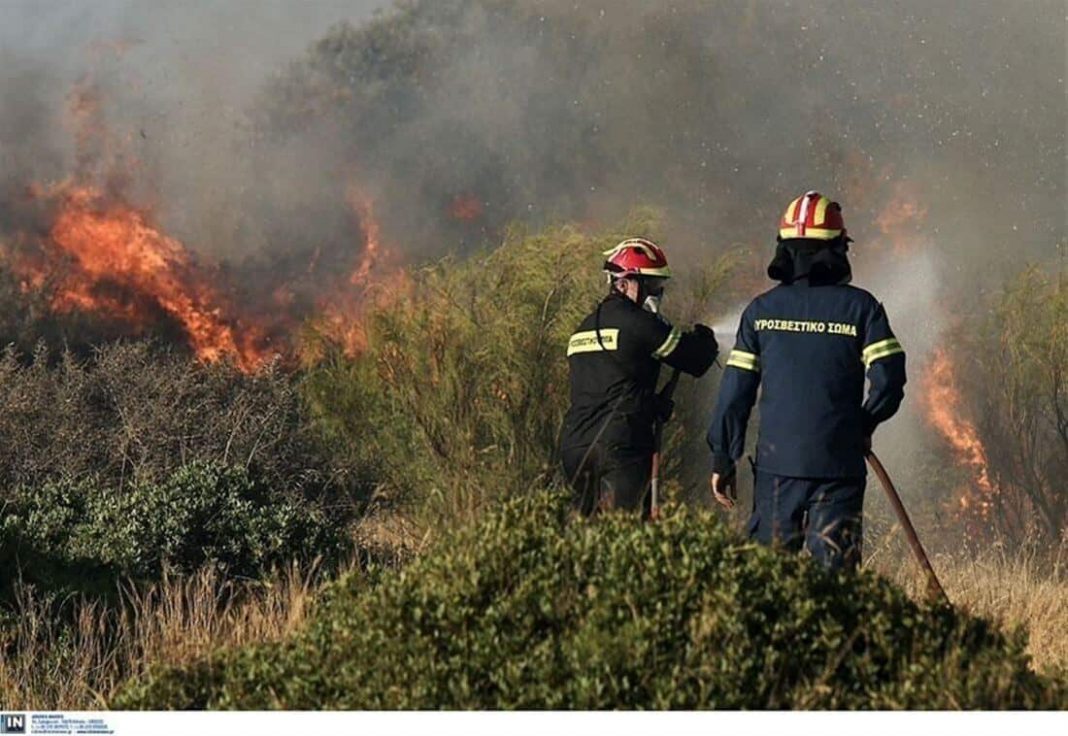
column 652, row 304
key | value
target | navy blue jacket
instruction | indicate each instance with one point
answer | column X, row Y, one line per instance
column 808, row 347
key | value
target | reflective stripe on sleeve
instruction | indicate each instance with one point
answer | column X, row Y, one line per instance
column 669, row 345
column 882, row 349
column 745, row 361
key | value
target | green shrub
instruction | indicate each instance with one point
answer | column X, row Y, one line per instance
column 79, row 534
column 1020, row 402
column 528, row 609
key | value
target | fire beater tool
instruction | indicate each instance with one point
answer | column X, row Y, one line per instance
column 935, row 591
column 658, row 438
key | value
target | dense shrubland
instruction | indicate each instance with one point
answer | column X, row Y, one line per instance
column 133, row 473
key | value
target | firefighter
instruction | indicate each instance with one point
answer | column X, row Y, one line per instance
column 808, row 343
column 614, row 359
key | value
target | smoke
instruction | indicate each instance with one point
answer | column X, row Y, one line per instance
column 247, row 126
column 541, row 110
column 173, row 83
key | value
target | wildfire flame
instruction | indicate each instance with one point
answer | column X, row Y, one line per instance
column 944, row 411
column 941, row 400
column 342, row 311
column 113, row 243
column 96, row 253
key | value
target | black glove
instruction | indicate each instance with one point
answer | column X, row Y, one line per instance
column 663, row 408
column 705, row 333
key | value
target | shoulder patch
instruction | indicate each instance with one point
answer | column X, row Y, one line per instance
column 589, row 342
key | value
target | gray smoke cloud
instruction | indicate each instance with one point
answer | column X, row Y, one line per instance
column 718, row 114
column 247, row 126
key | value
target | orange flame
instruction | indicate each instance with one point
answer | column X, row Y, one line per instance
column 373, row 279
column 943, row 403
column 114, row 243
column 99, row 254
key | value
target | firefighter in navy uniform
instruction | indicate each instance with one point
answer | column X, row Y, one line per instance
column 808, row 343
column 614, row 358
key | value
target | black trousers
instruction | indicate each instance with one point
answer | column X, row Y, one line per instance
column 603, row 480
column 824, row 516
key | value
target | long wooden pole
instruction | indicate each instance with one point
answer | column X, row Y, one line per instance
column 935, row 591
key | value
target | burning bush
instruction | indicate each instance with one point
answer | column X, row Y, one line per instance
column 462, row 379
column 528, row 610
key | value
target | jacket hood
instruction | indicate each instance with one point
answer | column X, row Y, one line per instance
column 820, row 262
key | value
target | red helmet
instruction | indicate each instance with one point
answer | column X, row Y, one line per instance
column 636, row 257
column 812, row 216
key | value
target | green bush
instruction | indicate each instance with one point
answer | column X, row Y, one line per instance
column 528, row 609
column 1020, row 401
column 79, row 534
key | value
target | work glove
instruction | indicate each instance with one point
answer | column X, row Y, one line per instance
column 663, row 408
column 705, row 333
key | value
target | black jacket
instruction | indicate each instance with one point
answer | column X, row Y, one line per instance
column 809, row 348
column 614, row 358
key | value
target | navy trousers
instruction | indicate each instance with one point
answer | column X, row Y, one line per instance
column 824, row 516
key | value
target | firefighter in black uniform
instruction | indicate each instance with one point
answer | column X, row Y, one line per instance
column 808, row 343
column 614, row 359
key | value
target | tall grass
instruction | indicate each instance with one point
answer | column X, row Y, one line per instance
column 1019, row 587
column 74, row 660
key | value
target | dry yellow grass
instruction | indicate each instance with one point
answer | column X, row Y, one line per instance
column 1018, row 588
column 58, row 666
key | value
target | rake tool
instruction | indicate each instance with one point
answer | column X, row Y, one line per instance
column 935, row 591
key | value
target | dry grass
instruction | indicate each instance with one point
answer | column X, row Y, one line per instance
column 1019, row 588
column 71, row 666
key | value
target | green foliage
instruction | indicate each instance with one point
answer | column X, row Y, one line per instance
column 1020, row 399
column 529, row 609
column 463, row 379
column 79, row 535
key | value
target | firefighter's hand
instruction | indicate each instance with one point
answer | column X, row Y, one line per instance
column 706, row 333
column 724, row 488
column 665, row 407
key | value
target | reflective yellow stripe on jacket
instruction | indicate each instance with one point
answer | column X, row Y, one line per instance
column 745, row 361
column 881, row 349
column 669, row 345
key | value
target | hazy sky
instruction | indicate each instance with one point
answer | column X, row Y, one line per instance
column 239, row 42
